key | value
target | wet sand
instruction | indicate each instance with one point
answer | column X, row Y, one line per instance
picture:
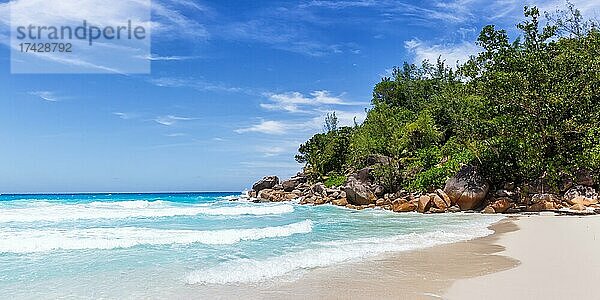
column 421, row 274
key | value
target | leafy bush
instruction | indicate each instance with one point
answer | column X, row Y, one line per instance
column 335, row 181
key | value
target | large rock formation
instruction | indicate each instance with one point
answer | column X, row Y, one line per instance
column 292, row 183
column 268, row 182
column 467, row 188
column 580, row 191
column 358, row 193
column 269, row 195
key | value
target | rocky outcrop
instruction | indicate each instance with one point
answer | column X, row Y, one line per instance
column 467, row 188
column 340, row 202
column 583, row 201
column 424, row 204
column 364, row 175
column 293, row 183
column 377, row 159
column 270, row 195
column 501, row 205
column 357, row 193
column 402, row 205
column 580, row 191
column 466, row 191
column 268, row 182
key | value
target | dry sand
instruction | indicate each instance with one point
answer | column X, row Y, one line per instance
column 560, row 259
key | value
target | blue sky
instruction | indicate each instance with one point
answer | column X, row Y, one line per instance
column 235, row 87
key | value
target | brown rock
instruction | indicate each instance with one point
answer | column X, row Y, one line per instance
column 545, row 198
column 439, row 202
column 340, row 202
column 454, row 209
column 578, row 207
column 434, row 210
column 542, row 206
column 444, row 196
column 403, row 206
column 583, row 201
column 358, row 193
column 488, row 210
column 467, row 188
column 501, row 205
column 380, row 202
column 266, row 183
column 364, row 175
column 424, row 204
column 580, row 191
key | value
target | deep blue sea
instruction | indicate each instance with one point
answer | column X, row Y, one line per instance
column 89, row 246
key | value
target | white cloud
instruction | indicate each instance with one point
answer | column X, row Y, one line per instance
column 304, row 126
column 292, row 101
column 267, row 127
column 170, row 120
column 177, row 134
column 451, row 53
column 295, row 102
column 125, row 116
column 271, row 151
column 46, row 95
column 197, row 84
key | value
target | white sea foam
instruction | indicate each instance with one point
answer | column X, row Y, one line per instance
column 56, row 212
column 31, row 240
column 329, row 253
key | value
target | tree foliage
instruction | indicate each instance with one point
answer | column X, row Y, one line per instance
column 523, row 110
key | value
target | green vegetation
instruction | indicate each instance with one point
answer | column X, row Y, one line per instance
column 335, row 181
column 522, row 110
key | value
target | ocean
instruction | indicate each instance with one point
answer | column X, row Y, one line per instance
column 116, row 246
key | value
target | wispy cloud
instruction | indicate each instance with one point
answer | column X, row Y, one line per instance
column 271, row 151
column 196, row 84
column 267, row 127
column 451, row 53
column 170, row 120
column 287, row 34
column 125, row 116
column 176, row 134
column 303, row 126
column 46, row 96
column 295, row 102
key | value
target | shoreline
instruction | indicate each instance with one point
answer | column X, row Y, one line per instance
column 416, row 274
column 518, row 261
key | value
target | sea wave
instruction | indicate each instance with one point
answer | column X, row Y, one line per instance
column 57, row 212
column 328, row 253
column 31, row 240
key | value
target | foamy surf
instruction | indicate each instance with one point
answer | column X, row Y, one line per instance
column 334, row 252
column 28, row 241
column 56, row 212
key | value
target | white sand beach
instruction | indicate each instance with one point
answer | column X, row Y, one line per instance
column 559, row 259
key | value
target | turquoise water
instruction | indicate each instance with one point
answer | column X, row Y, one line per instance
column 152, row 245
